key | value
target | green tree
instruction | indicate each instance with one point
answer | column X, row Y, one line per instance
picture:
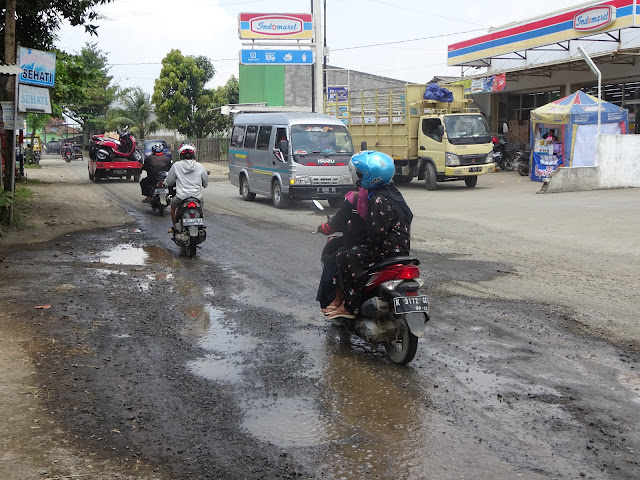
column 83, row 88
column 181, row 99
column 137, row 112
column 38, row 21
column 227, row 94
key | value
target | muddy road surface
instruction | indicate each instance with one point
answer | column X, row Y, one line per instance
column 147, row 364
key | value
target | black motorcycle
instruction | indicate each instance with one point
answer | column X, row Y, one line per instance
column 189, row 230
column 521, row 160
column 500, row 156
column 160, row 198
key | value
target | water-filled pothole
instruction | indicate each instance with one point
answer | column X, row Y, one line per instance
column 217, row 334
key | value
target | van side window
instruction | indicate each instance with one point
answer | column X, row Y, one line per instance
column 237, row 136
column 264, row 135
column 429, row 127
column 250, row 137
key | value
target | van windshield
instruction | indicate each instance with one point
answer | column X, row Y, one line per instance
column 321, row 139
column 467, row 129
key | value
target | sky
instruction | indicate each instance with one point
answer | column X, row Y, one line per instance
column 137, row 34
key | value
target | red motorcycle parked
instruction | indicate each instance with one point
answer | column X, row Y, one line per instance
column 109, row 157
column 107, row 149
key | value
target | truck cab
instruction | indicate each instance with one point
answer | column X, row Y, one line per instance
column 454, row 146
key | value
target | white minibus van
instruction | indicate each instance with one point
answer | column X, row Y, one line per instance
column 290, row 155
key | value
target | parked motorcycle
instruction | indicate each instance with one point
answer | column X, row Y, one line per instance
column 500, row 157
column 107, row 149
column 393, row 313
column 521, row 160
column 160, row 198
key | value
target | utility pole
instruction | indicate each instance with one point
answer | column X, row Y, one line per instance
column 318, row 93
column 12, row 88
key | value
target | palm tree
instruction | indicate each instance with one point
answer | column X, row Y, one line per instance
column 136, row 113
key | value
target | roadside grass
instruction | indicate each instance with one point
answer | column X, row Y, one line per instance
column 32, row 165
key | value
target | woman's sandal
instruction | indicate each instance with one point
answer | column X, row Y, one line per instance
column 335, row 314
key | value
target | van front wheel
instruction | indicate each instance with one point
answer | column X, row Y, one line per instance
column 247, row 195
column 471, row 181
column 280, row 200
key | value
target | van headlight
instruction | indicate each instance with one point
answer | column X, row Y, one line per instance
column 346, row 180
column 489, row 157
column 300, row 180
column 451, row 160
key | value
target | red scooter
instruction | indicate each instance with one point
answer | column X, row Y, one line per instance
column 108, row 149
column 393, row 312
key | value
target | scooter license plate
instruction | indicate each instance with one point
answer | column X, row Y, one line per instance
column 161, row 191
column 119, row 172
column 411, row 304
column 192, row 221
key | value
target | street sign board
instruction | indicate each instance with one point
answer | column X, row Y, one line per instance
column 38, row 67
column 275, row 25
column 33, row 99
column 276, row 57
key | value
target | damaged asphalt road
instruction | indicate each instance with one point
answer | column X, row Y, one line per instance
column 222, row 367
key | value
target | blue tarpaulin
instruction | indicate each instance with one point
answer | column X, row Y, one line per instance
column 438, row 93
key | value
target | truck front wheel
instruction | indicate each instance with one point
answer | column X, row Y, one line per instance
column 470, row 182
column 430, row 176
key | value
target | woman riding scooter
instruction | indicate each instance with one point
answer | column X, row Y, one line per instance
column 388, row 229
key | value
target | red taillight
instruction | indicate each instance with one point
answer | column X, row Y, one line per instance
column 408, row 272
column 192, row 205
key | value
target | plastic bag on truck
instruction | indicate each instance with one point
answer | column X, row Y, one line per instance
column 438, row 93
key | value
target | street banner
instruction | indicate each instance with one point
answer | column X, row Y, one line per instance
column 499, row 82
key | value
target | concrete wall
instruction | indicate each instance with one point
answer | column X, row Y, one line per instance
column 618, row 157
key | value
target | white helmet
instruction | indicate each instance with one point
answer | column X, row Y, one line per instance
column 187, row 152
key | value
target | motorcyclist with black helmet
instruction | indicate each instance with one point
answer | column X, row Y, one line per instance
column 154, row 164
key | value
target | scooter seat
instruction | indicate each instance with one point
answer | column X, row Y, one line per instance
column 387, row 262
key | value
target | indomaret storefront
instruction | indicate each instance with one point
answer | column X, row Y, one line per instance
column 541, row 62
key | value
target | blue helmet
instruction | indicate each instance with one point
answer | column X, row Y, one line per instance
column 371, row 169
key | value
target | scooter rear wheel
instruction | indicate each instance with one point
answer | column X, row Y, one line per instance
column 404, row 347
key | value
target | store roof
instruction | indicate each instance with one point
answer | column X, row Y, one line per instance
column 9, row 69
column 530, row 42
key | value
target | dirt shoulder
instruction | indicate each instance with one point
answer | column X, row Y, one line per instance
column 32, row 442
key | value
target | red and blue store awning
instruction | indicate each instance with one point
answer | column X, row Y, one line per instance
column 598, row 18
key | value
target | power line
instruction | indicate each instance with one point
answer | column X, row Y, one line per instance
column 160, row 63
column 405, row 41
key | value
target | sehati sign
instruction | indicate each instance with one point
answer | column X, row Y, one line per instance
column 38, row 68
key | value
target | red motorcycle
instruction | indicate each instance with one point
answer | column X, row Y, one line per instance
column 110, row 157
column 108, row 149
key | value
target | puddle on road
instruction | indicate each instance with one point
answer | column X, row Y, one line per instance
column 287, row 422
column 125, row 254
column 217, row 334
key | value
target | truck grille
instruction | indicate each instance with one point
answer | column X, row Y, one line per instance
column 474, row 159
column 325, row 180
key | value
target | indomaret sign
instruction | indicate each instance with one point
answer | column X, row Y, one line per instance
column 275, row 26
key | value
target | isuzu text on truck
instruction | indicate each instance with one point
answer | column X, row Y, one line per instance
column 434, row 141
